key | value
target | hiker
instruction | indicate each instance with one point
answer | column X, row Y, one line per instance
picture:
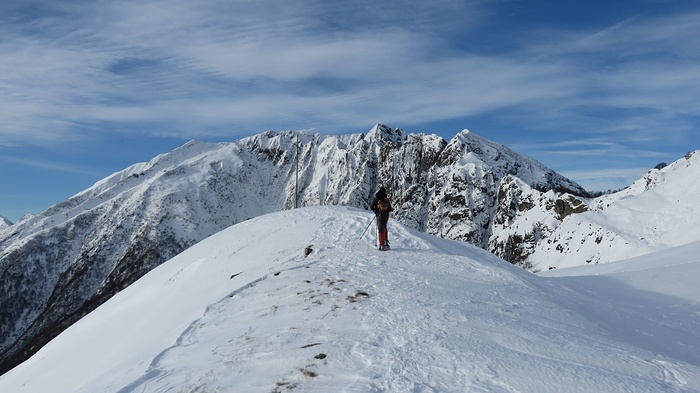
column 381, row 208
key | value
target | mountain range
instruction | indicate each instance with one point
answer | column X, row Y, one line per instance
column 60, row 265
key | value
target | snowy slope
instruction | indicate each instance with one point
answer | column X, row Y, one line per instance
column 655, row 290
column 657, row 212
column 246, row 311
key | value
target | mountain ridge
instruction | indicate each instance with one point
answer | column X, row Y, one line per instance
column 4, row 223
column 656, row 212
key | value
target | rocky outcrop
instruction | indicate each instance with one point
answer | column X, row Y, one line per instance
column 524, row 217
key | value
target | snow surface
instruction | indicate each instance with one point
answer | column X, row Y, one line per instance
column 246, row 311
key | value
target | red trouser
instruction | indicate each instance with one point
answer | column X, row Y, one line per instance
column 383, row 237
column 382, row 220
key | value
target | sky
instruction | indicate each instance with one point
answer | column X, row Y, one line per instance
column 599, row 91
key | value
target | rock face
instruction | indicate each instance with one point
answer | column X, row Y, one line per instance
column 524, row 217
column 57, row 266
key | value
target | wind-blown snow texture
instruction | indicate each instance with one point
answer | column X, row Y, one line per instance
column 246, row 311
column 59, row 265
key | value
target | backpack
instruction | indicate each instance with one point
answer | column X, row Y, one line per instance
column 383, row 204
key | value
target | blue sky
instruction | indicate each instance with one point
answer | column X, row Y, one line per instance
column 597, row 90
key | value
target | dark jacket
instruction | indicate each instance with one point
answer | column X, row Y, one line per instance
column 381, row 196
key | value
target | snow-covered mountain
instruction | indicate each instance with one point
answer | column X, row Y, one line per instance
column 4, row 222
column 300, row 300
column 657, row 212
column 57, row 266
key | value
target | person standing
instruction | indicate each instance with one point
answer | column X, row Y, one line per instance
column 381, row 206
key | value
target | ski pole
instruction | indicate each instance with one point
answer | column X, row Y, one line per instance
column 370, row 223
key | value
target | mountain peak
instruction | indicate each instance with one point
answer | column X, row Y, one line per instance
column 382, row 134
column 4, row 222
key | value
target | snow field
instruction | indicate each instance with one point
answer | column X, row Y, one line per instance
column 431, row 315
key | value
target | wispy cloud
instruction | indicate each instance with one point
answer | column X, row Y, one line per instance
column 199, row 68
column 51, row 166
column 638, row 74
